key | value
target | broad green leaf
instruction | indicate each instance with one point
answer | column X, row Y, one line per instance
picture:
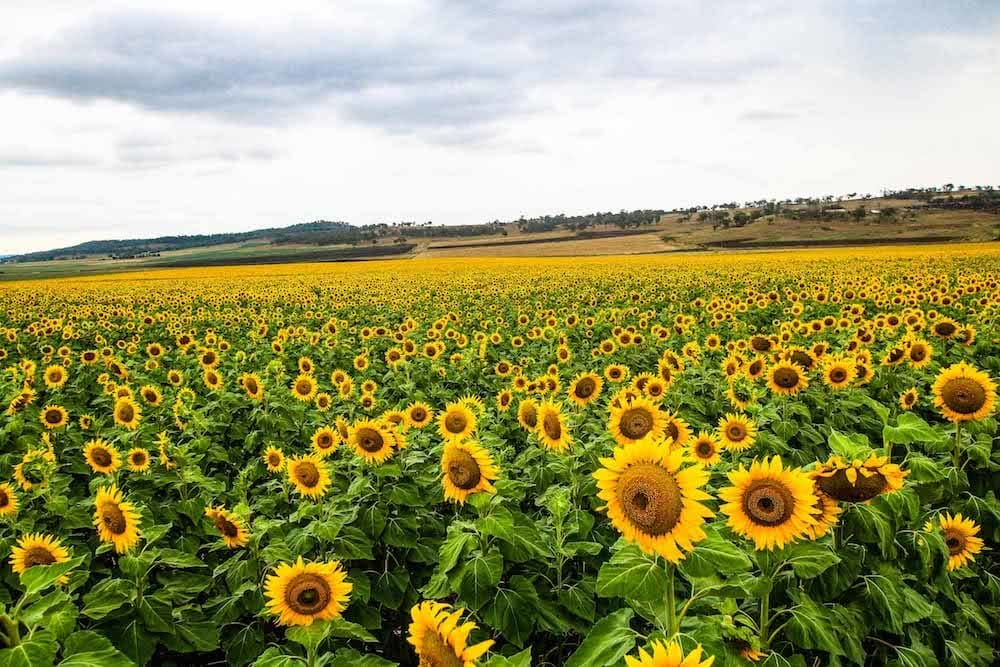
column 481, row 574
column 348, row 657
column 632, row 574
column 522, row 659
column 607, row 643
column 39, row 577
column 39, row 651
column 810, row 559
column 512, row 610
column 910, row 429
column 715, row 555
column 106, row 597
column 89, row 649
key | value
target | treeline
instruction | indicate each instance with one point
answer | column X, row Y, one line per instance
column 623, row 219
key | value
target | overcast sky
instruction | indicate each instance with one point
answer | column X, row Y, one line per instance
column 121, row 121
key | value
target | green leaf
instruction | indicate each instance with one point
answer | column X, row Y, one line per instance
column 106, row 597
column 273, row 657
column 454, row 548
column 348, row 657
column 481, row 574
column 879, row 409
column 309, row 636
column 512, row 611
column 243, row 646
column 610, row 640
column 345, row 629
column 135, row 642
column 809, row 626
column 39, row 577
column 631, row 574
column 810, row 559
column 39, row 651
column 89, row 649
column 850, row 447
column 180, row 559
column 715, row 555
column 910, row 429
column 522, row 659
column 886, row 599
column 156, row 614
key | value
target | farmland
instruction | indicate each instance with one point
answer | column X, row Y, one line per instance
column 777, row 458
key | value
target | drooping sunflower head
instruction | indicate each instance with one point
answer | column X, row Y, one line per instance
column 419, row 415
column 737, row 432
column 116, row 520
column 858, row 481
column 585, row 388
column 636, row 419
column 102, row 456
column 274, row 459
column 669, row 655
column 127, row 413
column 456, row 423
column 440, row 639
column 705, row 449
column 234, row 535
column 38, row 549
column 787, row 379
column 552, row 431
column 325, row 441
column 309, row 475
column 963, row 393
column 371, row 440
column 467, row 468
column 959, row 537
column 770, row 504
column 8, row 500
column 651, row 500
column 300, row 593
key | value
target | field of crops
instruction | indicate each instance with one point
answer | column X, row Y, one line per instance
column 773, row 458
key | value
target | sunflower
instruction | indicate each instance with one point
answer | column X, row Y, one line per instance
column 35, row 468
column 38, row 549
column 300, row 593
column 827, row 518
column 304, row 387
column 456, row 423
column 769, row 504
column 102, row 456
column 127, row 413
column 963, row 393
column 705, row 449
column 787, row 379
column 677, row 430
column 919, row 353
column 230, row 527
column 151, row 394
column 669, row 655
column 371, row 440
column 8, row 500
column 858, row 481
column 651, row 500
column 838, row 373
column 504, row 398
column 440, row 640
column 740, row 392
column 252, row 385
column 325, row 441
column 116, row 520
column 309, row 475
column 616, row 373
column 55, row 377
column 908, row 398
column 585, row 388
column 467, row 468
column 945, row 327
column 636, row 419
column 737, row 432
column 418, row 415
column 959, row 537
column 552, row 431
column 527, row 414
column 138, row 459
column 274, row 459
column 53, row 416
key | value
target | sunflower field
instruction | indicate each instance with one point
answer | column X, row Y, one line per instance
column 784, row 459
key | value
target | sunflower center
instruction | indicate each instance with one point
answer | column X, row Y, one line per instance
column 53, row 416
column 324, row 440
column 251, row 385
column 650, row 498
column 101, row 456
column 38, row 556
column 307, row 474
column 436, row 652
column 704, row 449
column 114, row 519
column 673, row 431
column 530, row 417
column 585, row 387
column 308, row 594
column 802, row 359
column 126, row 413
column 369, row 439
column 455, row 422
column 864, row 488
column 273, row 460
column 955, row 542
column 138, row 459
column 944, row 328
column 552, row 426
column 418, row 414
column 917, row 353
column 226, row 527
column 786, row 378
column 963, row 395
column 736, row 431
column 303, row 387
column 463, row 470
column 838, row 374
column 636, row 423
column 4, row 498
column 768, row 503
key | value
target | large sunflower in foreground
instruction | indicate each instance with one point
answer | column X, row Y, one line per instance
column 963, row 393
column 102, row 457
column 636, row 419
column 737, row 432
column 552, row 431
column 959, row 537
column 300, row 593
column 38, row 549
column 467, row 468
column 669, row 655
column 457, row 422
column 371, row 440
column 651, row 500
column 858, row 481
column 116, row 520
column 309, row 475
column 440, row 640
column 769, row 504
column 228, row 525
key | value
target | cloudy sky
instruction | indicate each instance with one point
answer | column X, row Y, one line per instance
column 121, row 121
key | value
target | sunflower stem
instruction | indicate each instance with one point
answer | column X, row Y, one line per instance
column 671, row 602
column 765, row 617
column 955, row 458
column 11, row 630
